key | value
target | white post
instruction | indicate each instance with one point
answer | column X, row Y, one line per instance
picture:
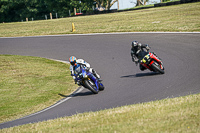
column 118, row 4
column 51, row 15
column 74, row 11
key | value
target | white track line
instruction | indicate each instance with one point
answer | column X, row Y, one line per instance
column 115, row 33
column 60, row 101
column 54, row 105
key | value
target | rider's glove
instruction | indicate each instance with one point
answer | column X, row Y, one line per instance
column 154, row 53
column 147, row 47
column 87, row 68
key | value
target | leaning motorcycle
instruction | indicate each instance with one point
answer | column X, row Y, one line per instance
column 87, row 79
column 153, row 63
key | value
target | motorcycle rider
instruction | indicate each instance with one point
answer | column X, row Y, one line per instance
column 74, row 64
column 138, row 52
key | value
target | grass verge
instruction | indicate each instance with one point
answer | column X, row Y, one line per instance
column 176, row 18
column 169, row 115
column 30, row 84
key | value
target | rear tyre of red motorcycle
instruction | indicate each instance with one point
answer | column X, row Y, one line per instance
column 91, row 87
column 157, row 68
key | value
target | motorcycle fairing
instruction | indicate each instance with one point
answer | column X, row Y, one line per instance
column 80, row 73
column 149, row 59
column 93, row 78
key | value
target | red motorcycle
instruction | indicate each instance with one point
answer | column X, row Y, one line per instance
column 153, row 63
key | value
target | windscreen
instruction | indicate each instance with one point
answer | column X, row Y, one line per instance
column 78, row 70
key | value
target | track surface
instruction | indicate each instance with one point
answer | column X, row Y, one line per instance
column 109, row 54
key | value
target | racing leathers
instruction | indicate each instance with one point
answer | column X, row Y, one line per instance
column 87, row 66
column 138, row 52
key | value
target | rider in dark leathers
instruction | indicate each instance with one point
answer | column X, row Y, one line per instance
column 138, row 51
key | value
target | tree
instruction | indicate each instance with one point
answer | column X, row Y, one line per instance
column 61, row 7
column 141, row 2
column 84, row 5
column 17, row 10
column 105, row 3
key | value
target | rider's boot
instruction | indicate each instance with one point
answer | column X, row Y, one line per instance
column 142, row 68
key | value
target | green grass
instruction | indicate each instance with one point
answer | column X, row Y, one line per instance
column 177, row 18
column 165, row 116
column 30, row 84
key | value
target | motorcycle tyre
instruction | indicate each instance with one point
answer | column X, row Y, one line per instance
column 157, row 68
column 88, row 85
column 101, row 87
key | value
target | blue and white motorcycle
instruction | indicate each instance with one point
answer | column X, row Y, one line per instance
column 88, row 80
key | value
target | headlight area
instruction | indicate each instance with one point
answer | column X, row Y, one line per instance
column 80, row 76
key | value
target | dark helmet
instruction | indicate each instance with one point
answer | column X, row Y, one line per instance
column 72, row 60
column 134, row 44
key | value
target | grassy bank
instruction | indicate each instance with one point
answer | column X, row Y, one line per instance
column 169, row 115
column 30, row 84
column 177, row 18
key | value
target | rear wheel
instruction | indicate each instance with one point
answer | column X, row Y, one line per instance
column 91, row 86
column 156, row 68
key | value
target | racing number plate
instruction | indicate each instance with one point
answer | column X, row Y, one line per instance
column 146, row 58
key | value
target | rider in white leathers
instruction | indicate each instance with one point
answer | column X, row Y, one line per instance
column 74, row 61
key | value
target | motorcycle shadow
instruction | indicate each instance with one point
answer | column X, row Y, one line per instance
column 85, row 93
column 140, row 75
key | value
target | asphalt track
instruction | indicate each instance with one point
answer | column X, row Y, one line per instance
column 109, row 54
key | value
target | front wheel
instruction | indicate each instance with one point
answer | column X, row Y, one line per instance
column 91, row 87
column 156, row 68
column 101, row 87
